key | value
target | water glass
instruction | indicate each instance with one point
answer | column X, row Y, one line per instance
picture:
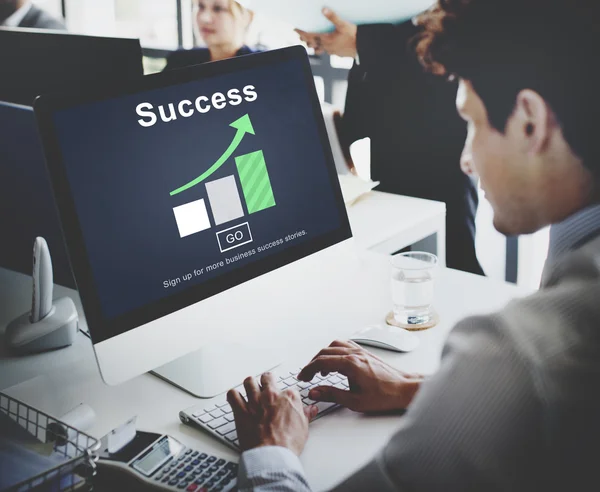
column 413, row 276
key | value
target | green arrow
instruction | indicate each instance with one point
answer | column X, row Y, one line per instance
column 243, row 125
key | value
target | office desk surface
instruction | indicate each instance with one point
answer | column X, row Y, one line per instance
column 386, row 223
column 349, row 437
column 382, row 221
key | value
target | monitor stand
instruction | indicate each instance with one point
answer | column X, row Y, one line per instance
column 214, row 369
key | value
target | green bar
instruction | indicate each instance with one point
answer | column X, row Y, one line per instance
column 255, row 181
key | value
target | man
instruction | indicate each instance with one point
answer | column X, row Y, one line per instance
column 515, row 403
column 22, row 13
column 410, row 117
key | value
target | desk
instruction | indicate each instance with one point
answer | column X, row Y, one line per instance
column 366, row 299
column 15, row 299
column 56, row 382
column 386, row 223
column 381, row 222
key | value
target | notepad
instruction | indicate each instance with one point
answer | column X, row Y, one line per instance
column 306, row 15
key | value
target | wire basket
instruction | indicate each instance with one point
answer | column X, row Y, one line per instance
column 75, row 449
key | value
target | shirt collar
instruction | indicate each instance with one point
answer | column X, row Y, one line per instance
column 574, row 231
column 15, row 19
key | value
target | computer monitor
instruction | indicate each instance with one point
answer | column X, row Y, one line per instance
column 37, row 61
column 26, row 200
column 190, row 201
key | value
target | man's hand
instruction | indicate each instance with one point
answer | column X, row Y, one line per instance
column 341, row 42
column 270, row 417
column 374, row 385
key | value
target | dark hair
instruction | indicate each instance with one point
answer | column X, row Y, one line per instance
column 505, row 46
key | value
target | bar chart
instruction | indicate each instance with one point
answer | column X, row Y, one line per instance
column 223, row 194
column 256, row 185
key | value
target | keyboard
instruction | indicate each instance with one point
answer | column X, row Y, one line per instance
column 216, row 418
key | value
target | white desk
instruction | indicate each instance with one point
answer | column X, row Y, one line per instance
column 56, row 382
column 381, row 222
column 386, row 223
column 363, row 298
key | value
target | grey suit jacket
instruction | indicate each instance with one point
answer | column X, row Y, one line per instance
column 39, row 19
column 515, row 405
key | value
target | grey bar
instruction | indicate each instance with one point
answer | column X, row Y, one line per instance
column 224, row 200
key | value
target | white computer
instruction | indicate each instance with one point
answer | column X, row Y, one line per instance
column 192, row 202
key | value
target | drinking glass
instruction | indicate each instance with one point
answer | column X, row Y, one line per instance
column 413, row 276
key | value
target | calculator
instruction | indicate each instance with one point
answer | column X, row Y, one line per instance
column 160, row 462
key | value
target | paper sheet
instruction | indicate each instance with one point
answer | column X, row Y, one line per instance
column 121, row 436
column 306, row 14
column 354, row 187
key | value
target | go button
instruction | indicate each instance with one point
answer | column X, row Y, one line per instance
column 234, row 237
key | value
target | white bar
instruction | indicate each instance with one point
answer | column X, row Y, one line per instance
column 191, row 218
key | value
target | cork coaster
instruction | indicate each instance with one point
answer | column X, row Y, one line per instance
column 390, row 320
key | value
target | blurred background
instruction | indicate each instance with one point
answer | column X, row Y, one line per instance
column 164, row 26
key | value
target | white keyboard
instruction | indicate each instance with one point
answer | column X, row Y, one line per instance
column 216, row 418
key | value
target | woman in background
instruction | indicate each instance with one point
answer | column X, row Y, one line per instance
column 222, row 24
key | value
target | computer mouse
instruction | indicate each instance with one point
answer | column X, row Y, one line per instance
column 387, row 337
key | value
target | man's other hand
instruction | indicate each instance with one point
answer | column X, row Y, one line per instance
column 269, row 417
column 341, row 41
column 374, row 385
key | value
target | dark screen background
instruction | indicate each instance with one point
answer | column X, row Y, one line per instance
column 121, row 174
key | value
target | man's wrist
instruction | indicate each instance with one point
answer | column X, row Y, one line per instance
column 405, row 393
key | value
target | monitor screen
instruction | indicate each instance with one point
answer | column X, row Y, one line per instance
column 199, row 180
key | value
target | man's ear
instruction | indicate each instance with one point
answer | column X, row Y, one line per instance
column 534, row 120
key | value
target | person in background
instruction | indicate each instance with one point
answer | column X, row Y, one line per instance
column 223, row 25
column 409, row 115
column 514, row 405
column 23, row 13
